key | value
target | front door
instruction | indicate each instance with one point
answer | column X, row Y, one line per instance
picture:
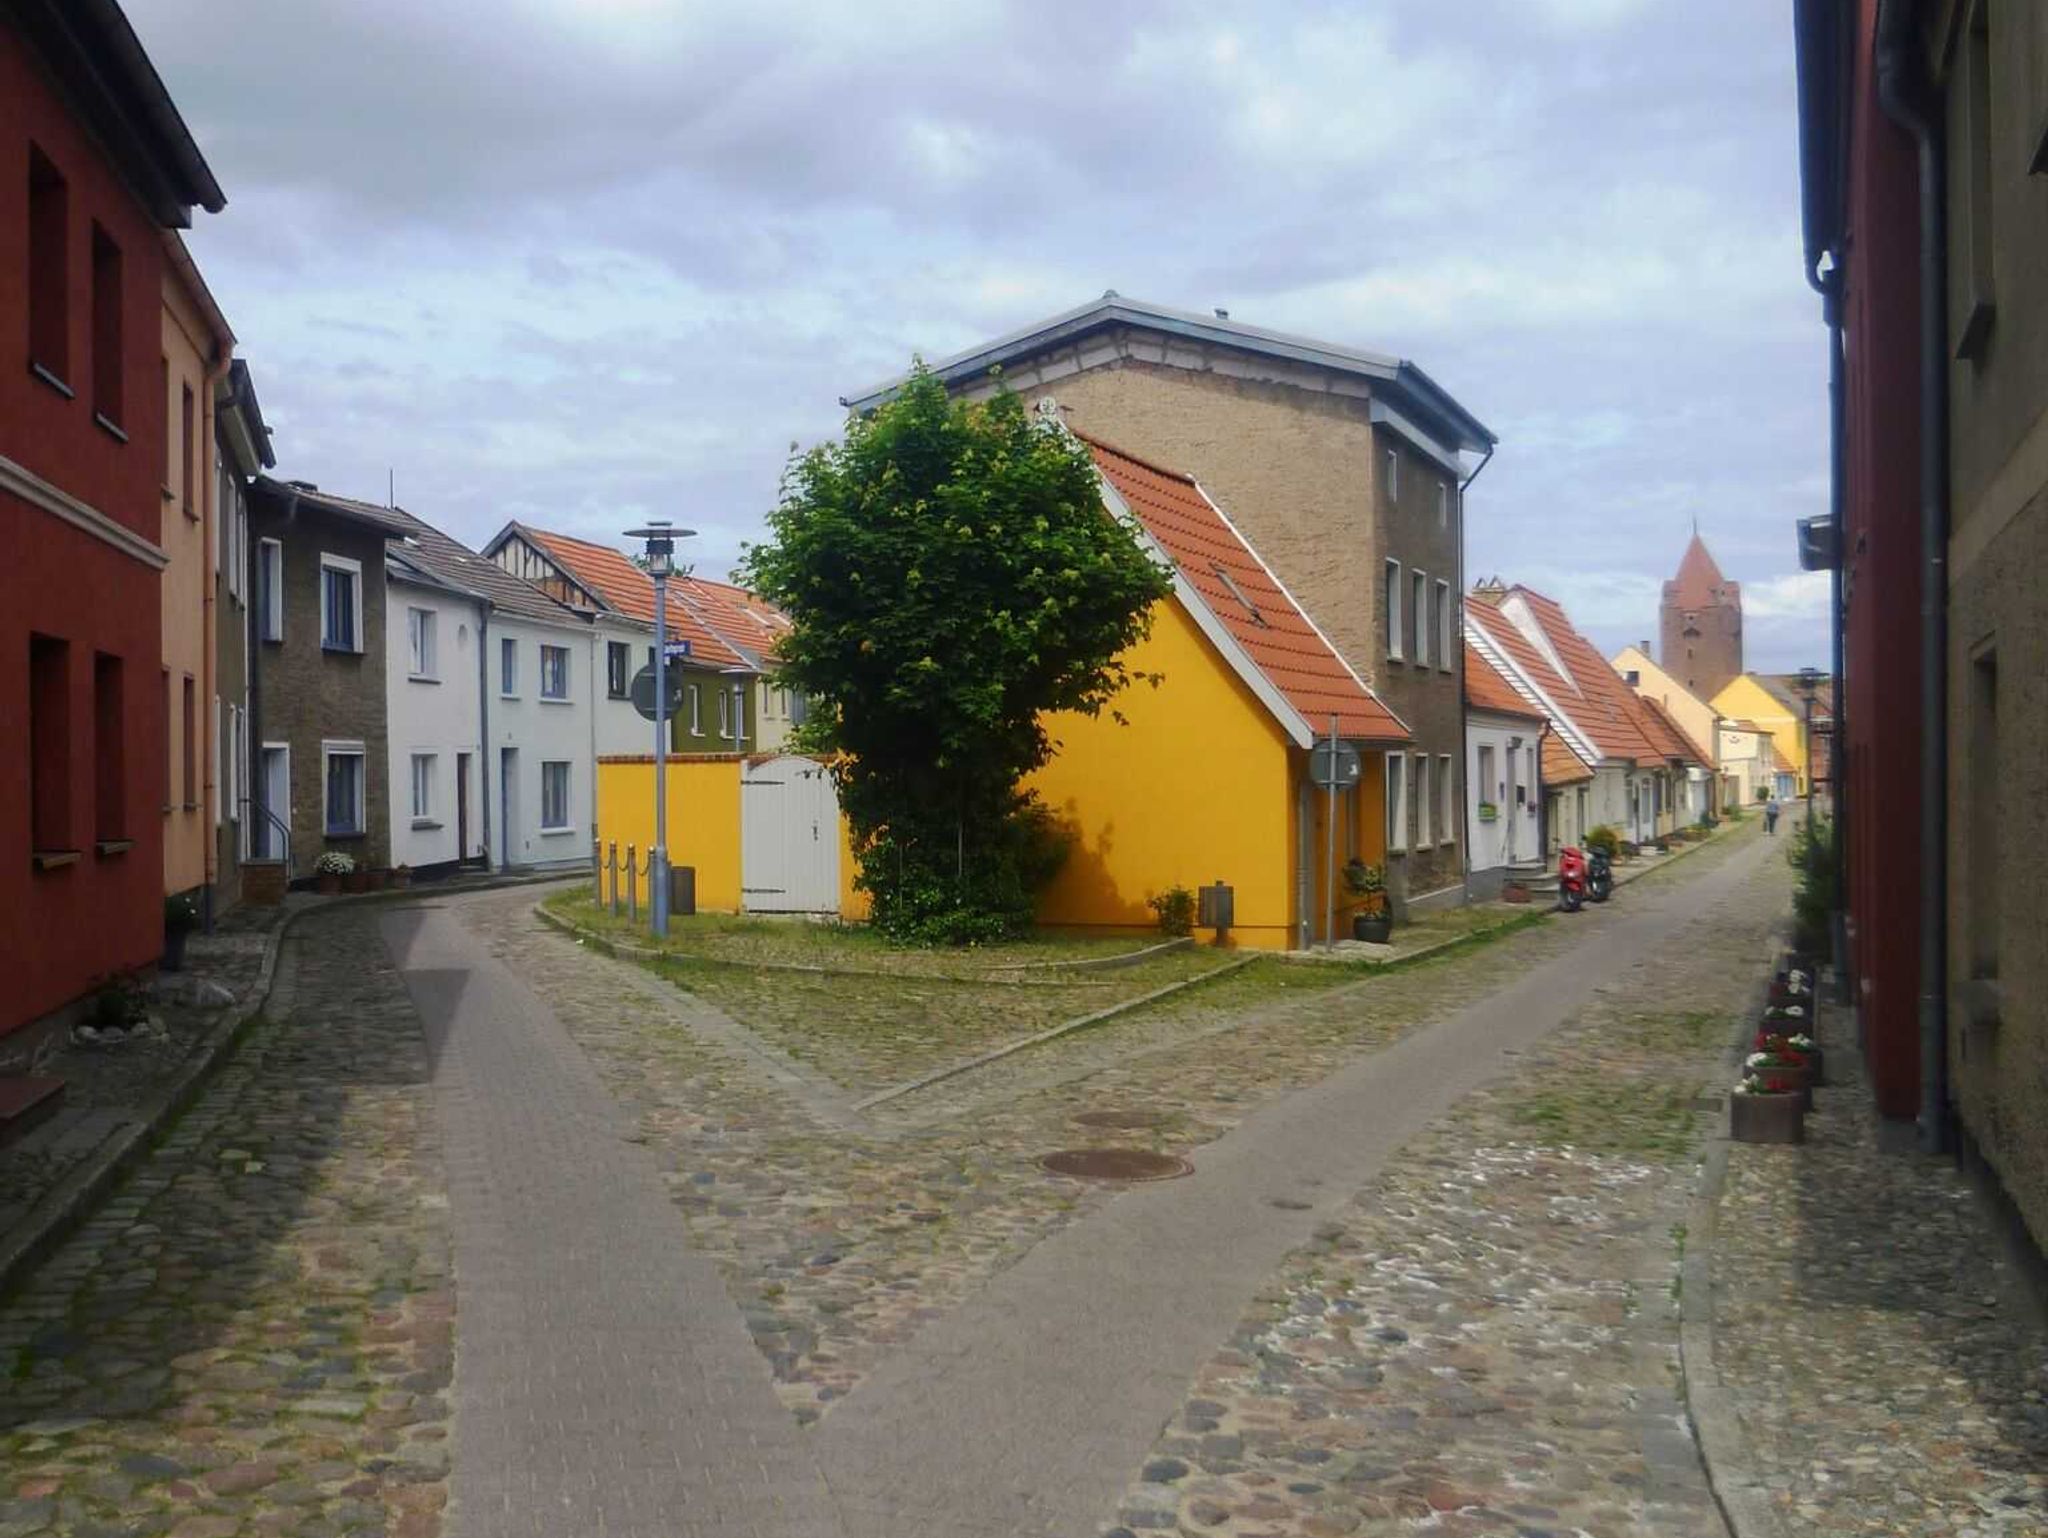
column 508, row 800
column 277, row 797
column 789, row 837
column 461, row 806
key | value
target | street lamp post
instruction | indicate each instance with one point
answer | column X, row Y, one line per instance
column 1809, row 683
column 661, row 537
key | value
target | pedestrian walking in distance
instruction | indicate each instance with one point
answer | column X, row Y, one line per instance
column 1771, row 817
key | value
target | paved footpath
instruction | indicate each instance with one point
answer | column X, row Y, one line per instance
column 604, row 1383
column 1025, row 1410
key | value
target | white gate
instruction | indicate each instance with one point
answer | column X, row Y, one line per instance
column 789, row 837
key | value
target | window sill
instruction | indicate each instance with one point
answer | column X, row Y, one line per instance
column 168, row 494
column 508, row 696
column 339, row 834
column 422, row 678
column 425, row 824
column 109, row 426
column 49, row 377
column 1391, row 657
column 556, row 699
column 108, row 847
column 556, row 832
column 614, row 694
column 51, row 859
column 341, row 651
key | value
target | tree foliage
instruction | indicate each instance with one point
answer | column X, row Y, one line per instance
column 951, row 577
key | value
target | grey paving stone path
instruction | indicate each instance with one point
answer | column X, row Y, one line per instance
column 1023, row 1411
column 604, row 1382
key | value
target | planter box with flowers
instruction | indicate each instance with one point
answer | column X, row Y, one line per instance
column 1487, row 812
column 332, row 869
column 1367, row 885
column 1765, row 1108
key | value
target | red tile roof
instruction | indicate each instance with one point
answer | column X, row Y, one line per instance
column 1561, row 766
column 1698, row 576
column 629, row 590
column 1485, row 689
column 1677, row 741
column 750, row 625
column 1517, row 648
column 1234, row 585
column 1599, row 703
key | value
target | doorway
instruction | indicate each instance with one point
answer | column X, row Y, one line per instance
column 508, row 797
column 275, row 771
column 462, row 849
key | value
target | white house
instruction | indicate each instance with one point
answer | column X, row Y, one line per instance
column 1748, row 763
column 434, row 720
column 1503, row 774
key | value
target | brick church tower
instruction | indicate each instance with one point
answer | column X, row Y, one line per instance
column 1701, row 624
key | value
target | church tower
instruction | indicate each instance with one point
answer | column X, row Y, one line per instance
column 1701, row 624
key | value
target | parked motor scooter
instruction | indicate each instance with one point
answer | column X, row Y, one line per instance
column 1599, row 876
column 1571, row 878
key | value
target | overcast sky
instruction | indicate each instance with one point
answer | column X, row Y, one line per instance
column 586, row 261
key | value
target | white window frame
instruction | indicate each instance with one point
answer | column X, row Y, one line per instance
column 421, row 634
column 1393, row 464
column 270, row 589
column 1391, row 579
column 1447, row 801
column 1444, row 628
column 564, row 826
column 545, row 696
column 1397, row 802
column 1418, row 582
column 353, row 570
column 508, row 667
column 423, row 788
column 238, row 767
column 725, row 714
column 1485, row 770
column 330, row 750
column 696, row 710
column 1418, row 771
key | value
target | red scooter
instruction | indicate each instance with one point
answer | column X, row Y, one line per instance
column 1572, row 889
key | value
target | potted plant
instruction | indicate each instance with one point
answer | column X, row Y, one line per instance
column 1604, row 839
column 1765, row 1108
column 1367, row 885
column 1777, row 1062
column 331, row 868
column 1488, row 812
column 181, row 915
column 401, row 875
column 374, row 880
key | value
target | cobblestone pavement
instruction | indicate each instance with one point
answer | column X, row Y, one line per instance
column 1486, row 1341
column 254, row 1334
column 839, row 1241
column 1887, row 1379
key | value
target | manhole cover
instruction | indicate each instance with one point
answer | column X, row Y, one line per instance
column 1121, row 1120
column 1115, row 1164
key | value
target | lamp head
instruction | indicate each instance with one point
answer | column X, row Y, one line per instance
column 660, row 536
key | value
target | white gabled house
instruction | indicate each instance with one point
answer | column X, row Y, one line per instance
column 434, row 715
column 1503, row 773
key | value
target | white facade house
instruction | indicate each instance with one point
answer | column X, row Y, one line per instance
column 541, row 702
column 1747, row 758
column 1503, row 773
column 434, row 718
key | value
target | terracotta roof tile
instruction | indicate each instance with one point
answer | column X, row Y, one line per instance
column 1485, row 689
column 1249, row 601
column 629, row 590
column 1677, row 741
column 1602, row 706
column 1561, row 766
column 751, row 626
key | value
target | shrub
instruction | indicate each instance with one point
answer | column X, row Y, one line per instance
column 1605, row 840
column 1176, row 910
column 1812, row 857
column 335, row 862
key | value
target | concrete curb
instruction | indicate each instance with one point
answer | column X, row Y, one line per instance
column 1726, row 830
column 1368, row 965
column 1717, row 1427
column 72, row 1199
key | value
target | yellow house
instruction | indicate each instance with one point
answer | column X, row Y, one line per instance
column 1770, row 705
column 1204, row 780
column 1695, row 717
column 197, row 349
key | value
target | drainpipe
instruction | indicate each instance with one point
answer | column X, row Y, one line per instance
column 1907, row 98
column 1828, row 285
column 486, row 750
column 1464, row 747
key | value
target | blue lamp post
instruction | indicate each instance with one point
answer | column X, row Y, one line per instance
column 660, row 536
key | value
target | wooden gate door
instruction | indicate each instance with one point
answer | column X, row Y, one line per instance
column 789, row 837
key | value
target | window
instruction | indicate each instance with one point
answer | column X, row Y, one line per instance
column 49, row 742
column 1445, row 629
column 1422, row 801
column 1397, row 802
column 696, row 711
column 1393, row 602
column 237, row 729
column 343, row 775
column 107, row 381
column 1393, row 475
column 1488, row 788
column 341, row 602
column 554, row 672
column 1443, row 504
column 554, row 797
column 508, row 668
column 187, row 455
column 1447, row 801
column 109, row 749
column 188, row 721
column 725, row 712
column 269, row 590
column 421, row 634
column 422, row 788
column 49, row 263
column 1421, row 615
column 617, row 658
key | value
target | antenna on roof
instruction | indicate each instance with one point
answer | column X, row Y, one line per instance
column 1221, row 313
column 390, row 487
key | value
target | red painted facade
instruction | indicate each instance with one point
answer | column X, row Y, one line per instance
column 81, row 695
column 1882, row 578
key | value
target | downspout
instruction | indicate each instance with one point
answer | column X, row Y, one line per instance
column 1903, row 92
column 1828, row 285
column 1464, row 746
column 486, row 750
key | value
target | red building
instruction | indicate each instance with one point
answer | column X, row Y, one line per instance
column 94, row 164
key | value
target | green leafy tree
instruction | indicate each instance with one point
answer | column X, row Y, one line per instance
column 951, row 577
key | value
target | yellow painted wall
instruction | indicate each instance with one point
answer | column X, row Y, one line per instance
column 1196, row 788
column 1744, row 699
column 186, row 534
column 1693, row 714
column 703, row 820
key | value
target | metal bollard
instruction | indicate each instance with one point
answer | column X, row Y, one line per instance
column 632, row 885
column 597, row 869
column 613, row 863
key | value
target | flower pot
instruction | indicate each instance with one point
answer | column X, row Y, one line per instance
column 1373, row 928
column 356, row 881
column 1767, row 1118
column 401, row 878
column 1514, row 892
column 174, row 950
column 377, row 879
column 328, row 882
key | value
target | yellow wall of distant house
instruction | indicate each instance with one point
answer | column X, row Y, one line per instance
column 703, row 821
column 1196, row 788
column 1744, row 699
column 1693, row 714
